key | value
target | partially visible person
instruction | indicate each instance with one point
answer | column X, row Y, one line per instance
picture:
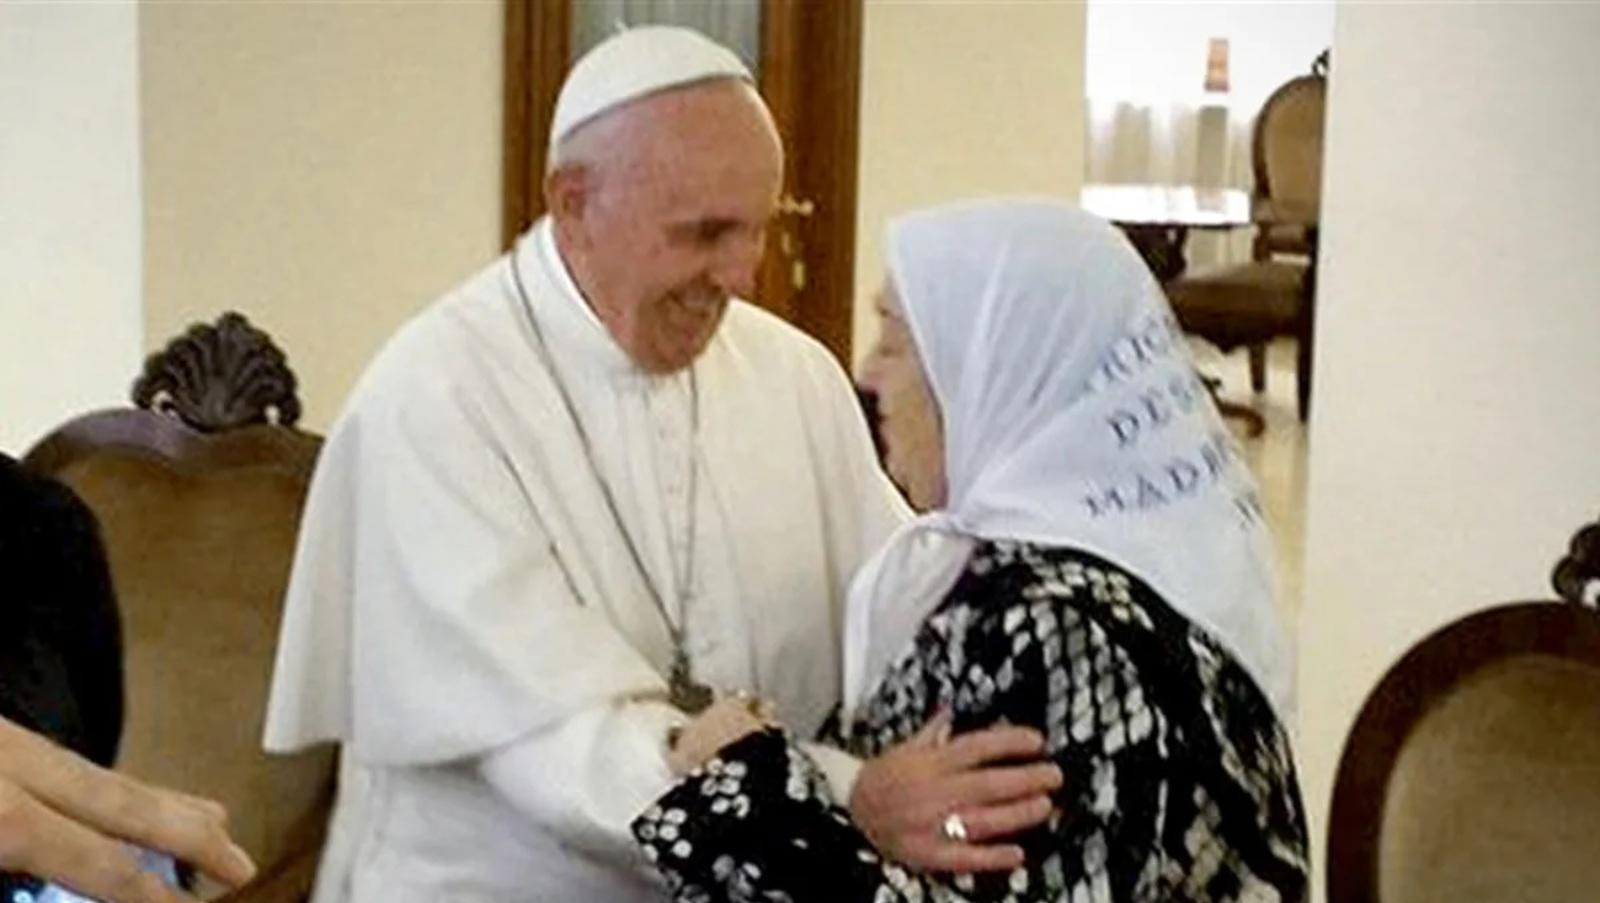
column 1094, row 565
column 60, row 634
column 67, row 823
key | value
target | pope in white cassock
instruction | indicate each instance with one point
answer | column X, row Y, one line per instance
column 570, row 498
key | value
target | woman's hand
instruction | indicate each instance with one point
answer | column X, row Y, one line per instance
column 728, row 720
column 67, row 821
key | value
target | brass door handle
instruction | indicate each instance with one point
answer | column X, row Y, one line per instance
column 789, row 242
column 789, row 205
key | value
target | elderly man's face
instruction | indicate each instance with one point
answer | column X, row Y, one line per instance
column 668, row 220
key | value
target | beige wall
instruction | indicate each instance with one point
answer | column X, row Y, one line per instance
column 1457, row 428
column 326, row 168
column 960, row 99
column 69, row 213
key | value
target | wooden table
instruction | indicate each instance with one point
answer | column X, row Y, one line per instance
column 1158, row 219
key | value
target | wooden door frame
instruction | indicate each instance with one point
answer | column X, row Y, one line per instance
column 538, row 42
column 824, row 35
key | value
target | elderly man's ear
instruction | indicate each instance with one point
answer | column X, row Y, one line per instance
column 566, row 191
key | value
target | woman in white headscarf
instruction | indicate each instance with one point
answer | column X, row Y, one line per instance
column 1093, row 564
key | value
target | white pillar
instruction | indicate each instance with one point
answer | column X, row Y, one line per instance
column 1456, row 435
column 70, row 213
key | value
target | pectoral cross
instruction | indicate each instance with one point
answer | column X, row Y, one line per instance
column 683, row 691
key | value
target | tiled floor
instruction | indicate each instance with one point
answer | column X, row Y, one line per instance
column 1278, row 456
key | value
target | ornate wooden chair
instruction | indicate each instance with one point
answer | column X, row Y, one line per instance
column 1473, row 770
column 198, row 491
column 1250, row 304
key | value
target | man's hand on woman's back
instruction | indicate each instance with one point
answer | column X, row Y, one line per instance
column 904, row 797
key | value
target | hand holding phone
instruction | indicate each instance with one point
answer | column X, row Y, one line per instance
column 73, row 817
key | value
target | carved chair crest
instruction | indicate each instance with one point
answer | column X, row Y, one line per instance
column 221, row 376
column 1577, row 576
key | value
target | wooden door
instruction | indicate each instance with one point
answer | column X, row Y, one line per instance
column 809, row 71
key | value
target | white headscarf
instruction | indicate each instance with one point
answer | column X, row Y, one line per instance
column 1073, row 416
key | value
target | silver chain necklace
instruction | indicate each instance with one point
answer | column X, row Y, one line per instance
column 683, row 691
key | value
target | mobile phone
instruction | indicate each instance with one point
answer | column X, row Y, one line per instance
column 158, row 863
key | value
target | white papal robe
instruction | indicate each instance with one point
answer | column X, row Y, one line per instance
column 466, row 618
